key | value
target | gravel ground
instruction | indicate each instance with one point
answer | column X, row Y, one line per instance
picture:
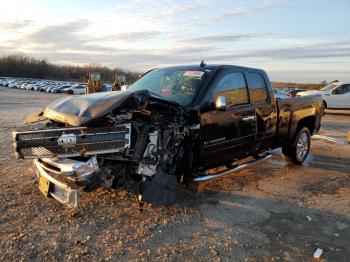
column 272, row 212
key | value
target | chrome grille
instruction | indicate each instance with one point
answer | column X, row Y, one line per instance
column 89, row 141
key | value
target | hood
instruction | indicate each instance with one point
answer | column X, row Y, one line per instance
column 311, row 92
column 81, row 109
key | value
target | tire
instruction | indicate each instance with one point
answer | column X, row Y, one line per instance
column 324, row 107
column 299, row 149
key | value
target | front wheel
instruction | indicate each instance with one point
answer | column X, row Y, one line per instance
column 298, row 150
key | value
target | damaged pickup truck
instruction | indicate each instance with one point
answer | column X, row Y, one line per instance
column 173, row 126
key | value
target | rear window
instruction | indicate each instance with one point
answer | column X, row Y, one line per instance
column 258, row 88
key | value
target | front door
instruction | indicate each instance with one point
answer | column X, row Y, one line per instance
column 339, row 98
column 228, row 133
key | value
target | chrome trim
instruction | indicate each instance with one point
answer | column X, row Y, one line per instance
column 248, row 118
column 110, row 151
column 70, row 168
column 58, row 190
column 228, row 171
column 220, row 103
column 68, row 140
column 53, row 129
column 127, row 135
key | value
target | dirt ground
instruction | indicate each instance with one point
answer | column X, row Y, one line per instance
column 271, row 212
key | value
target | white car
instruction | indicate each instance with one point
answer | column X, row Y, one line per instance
column 76, row 90
column 335, row 95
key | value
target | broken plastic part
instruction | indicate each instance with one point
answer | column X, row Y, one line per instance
column 318, row 253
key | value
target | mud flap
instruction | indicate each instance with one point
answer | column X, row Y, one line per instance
column 162, row 189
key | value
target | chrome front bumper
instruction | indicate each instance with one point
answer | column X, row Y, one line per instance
column 48, row 171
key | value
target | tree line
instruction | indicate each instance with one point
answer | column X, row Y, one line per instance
column 311, row 86
column 23, row 66
column 28, row 67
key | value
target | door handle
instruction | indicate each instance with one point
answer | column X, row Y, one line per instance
column 247, row 118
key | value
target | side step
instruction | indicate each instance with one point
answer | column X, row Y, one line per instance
column 210, row 176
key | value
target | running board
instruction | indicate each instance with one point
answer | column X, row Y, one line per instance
column 211, row 176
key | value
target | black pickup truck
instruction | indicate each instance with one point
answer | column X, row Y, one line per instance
column 173, row 126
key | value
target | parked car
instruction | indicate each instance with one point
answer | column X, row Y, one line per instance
column 190, row 120
column 107, row 87
column 76, row 90
column 293, row 93
column 29, row 87
column 279, row 94
column 59, row 88
column 335, row 95
column 52, row 86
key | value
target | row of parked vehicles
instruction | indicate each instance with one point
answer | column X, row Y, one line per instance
column 49, row 86
column 335, row 95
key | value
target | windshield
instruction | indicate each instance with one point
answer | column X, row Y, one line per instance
column 328, row 87
column 180, row 86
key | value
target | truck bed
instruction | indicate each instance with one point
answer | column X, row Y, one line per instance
column 292, row 110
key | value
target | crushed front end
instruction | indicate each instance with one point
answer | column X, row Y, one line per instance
column 139, row 139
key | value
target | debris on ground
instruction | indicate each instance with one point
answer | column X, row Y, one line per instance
column 318, row 253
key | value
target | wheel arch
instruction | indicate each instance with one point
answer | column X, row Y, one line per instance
column 308, row 122
column 325, row 104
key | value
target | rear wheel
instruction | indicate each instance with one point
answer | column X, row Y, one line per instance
column 298, row 150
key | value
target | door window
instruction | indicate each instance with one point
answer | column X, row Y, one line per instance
column 344, row 89
column 233, row 87
column 258, row 88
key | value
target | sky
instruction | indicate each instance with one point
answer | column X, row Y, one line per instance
column 293, row 40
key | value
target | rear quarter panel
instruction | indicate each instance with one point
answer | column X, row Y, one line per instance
column 293, row 110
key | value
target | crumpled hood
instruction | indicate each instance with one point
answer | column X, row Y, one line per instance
column 79, row 110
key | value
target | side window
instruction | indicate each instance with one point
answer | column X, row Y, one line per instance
column 347, row 89
column 341, row 90
column 258, row 88
column 234, row 88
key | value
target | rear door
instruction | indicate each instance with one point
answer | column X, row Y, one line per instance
column 265, row 108
column 228, row 133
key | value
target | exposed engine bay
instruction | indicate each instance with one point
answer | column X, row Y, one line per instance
column 109, row 139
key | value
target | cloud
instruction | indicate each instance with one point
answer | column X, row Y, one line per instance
column 324, row 50
column 131, row 36
column 58, row 34
column 15, row 25
column 213, row 39
column 66, row 43
column 240, row 10
column 72, row 38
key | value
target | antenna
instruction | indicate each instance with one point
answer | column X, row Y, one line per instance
column 202, row 64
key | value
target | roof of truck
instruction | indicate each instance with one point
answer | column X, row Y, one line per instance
column 208, row 67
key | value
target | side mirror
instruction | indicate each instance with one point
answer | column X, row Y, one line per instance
column 220, row 103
